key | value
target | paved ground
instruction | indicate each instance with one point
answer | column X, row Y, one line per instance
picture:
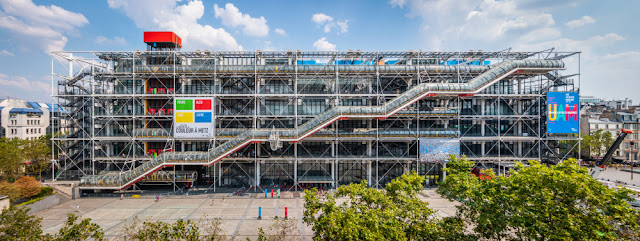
column 623, row 178
column 238, row 214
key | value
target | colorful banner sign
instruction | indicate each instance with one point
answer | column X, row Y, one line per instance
column 563, row 112
column 193, row 118
column 438, row 149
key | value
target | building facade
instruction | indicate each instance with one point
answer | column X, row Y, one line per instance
column 25, row 120
column 298, row 118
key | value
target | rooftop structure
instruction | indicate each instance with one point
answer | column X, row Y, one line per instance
column 300, row 118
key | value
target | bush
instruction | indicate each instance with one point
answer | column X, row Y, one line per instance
column 30, row 201
column 29, row 186
column 10, row 190
column 44, row 191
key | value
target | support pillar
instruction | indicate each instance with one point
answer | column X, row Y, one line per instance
column 258, row 173
column 369, row 173
column 295, row 175
column 333, row 172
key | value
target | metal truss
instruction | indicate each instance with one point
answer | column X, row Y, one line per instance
column 117, row 111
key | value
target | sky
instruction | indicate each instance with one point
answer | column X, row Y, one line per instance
column 603, row 31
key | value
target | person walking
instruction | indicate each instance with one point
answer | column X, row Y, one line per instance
column 122, row 196
column 77, row 207
column 157, row 198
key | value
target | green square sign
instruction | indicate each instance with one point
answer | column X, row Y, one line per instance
column 184, row 104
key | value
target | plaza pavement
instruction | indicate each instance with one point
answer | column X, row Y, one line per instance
column 238, row 214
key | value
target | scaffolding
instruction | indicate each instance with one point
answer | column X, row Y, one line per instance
column 296, row 118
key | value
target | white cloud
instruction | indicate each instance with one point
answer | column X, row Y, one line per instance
column 38, row 25
column 528, row 25
column 584, row 20
column 52, row 16
column 484, row 22
column 6, row 52
column 327, row 23
column 323, row 45
column 22, row 87
column 112, row 41
column 321, row 18
column 612, row 76
column 280, row 31
column 167, row 15
column 232, row 17
column 343, row 26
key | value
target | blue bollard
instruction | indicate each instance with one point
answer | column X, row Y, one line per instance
column 259, row 212
column 265, row 193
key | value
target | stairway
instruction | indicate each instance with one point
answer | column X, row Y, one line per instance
column 477, row 84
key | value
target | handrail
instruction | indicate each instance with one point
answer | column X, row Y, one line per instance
column 477, row 84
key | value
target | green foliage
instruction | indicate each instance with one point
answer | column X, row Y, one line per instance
column 44, row 191
column 16, row 152
column 77, row 231
column 12, row 158
column 180, row 230
column 394, row 213
column 30, row 201
column 597, row 142
column 15, row 224
column 280, row 230
column 539, row 202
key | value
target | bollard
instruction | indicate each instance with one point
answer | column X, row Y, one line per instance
column 278, row 192
column 276, row 213
column 265, row 193
column 271, row 192
column 259, row 213
column 286, row 216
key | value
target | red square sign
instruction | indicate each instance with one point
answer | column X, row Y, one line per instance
column 203, row 104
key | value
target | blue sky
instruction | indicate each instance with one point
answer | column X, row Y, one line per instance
column 604, row 31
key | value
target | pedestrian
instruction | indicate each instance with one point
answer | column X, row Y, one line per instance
column 77, row 207
column 212, row 201
column 122, row 196
column 157, row 198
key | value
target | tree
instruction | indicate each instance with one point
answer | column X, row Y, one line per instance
column 180, row 230
column 281, row 230
column 10, row 190
column 37, row 152
column 15, row 224
column 28, row 186
column 597, row 142
column 12, row 159
column 394, row 213
column 77, row 231
column 539, row 202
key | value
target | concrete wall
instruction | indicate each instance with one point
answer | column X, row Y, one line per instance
column 4, row 203
column 46, row 203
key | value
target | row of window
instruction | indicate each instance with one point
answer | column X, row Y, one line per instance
column 28, row 130
column 29, row 122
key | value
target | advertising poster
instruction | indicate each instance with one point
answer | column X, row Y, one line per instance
column 193, row 118
column 438, row 149
column 563, row 112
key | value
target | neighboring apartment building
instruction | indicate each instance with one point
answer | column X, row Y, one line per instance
column 629, row 121
column 25, row 120
column 618, row 104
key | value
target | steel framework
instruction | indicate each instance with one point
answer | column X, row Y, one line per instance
column 120, row 113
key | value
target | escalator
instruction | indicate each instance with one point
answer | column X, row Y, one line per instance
column 477, row 84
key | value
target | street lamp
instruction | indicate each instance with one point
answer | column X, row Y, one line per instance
column 631, row 144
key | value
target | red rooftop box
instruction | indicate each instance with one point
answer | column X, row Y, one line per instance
column 162, row 37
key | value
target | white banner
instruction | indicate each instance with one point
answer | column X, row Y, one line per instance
column 193, row 118
column 438, row 149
